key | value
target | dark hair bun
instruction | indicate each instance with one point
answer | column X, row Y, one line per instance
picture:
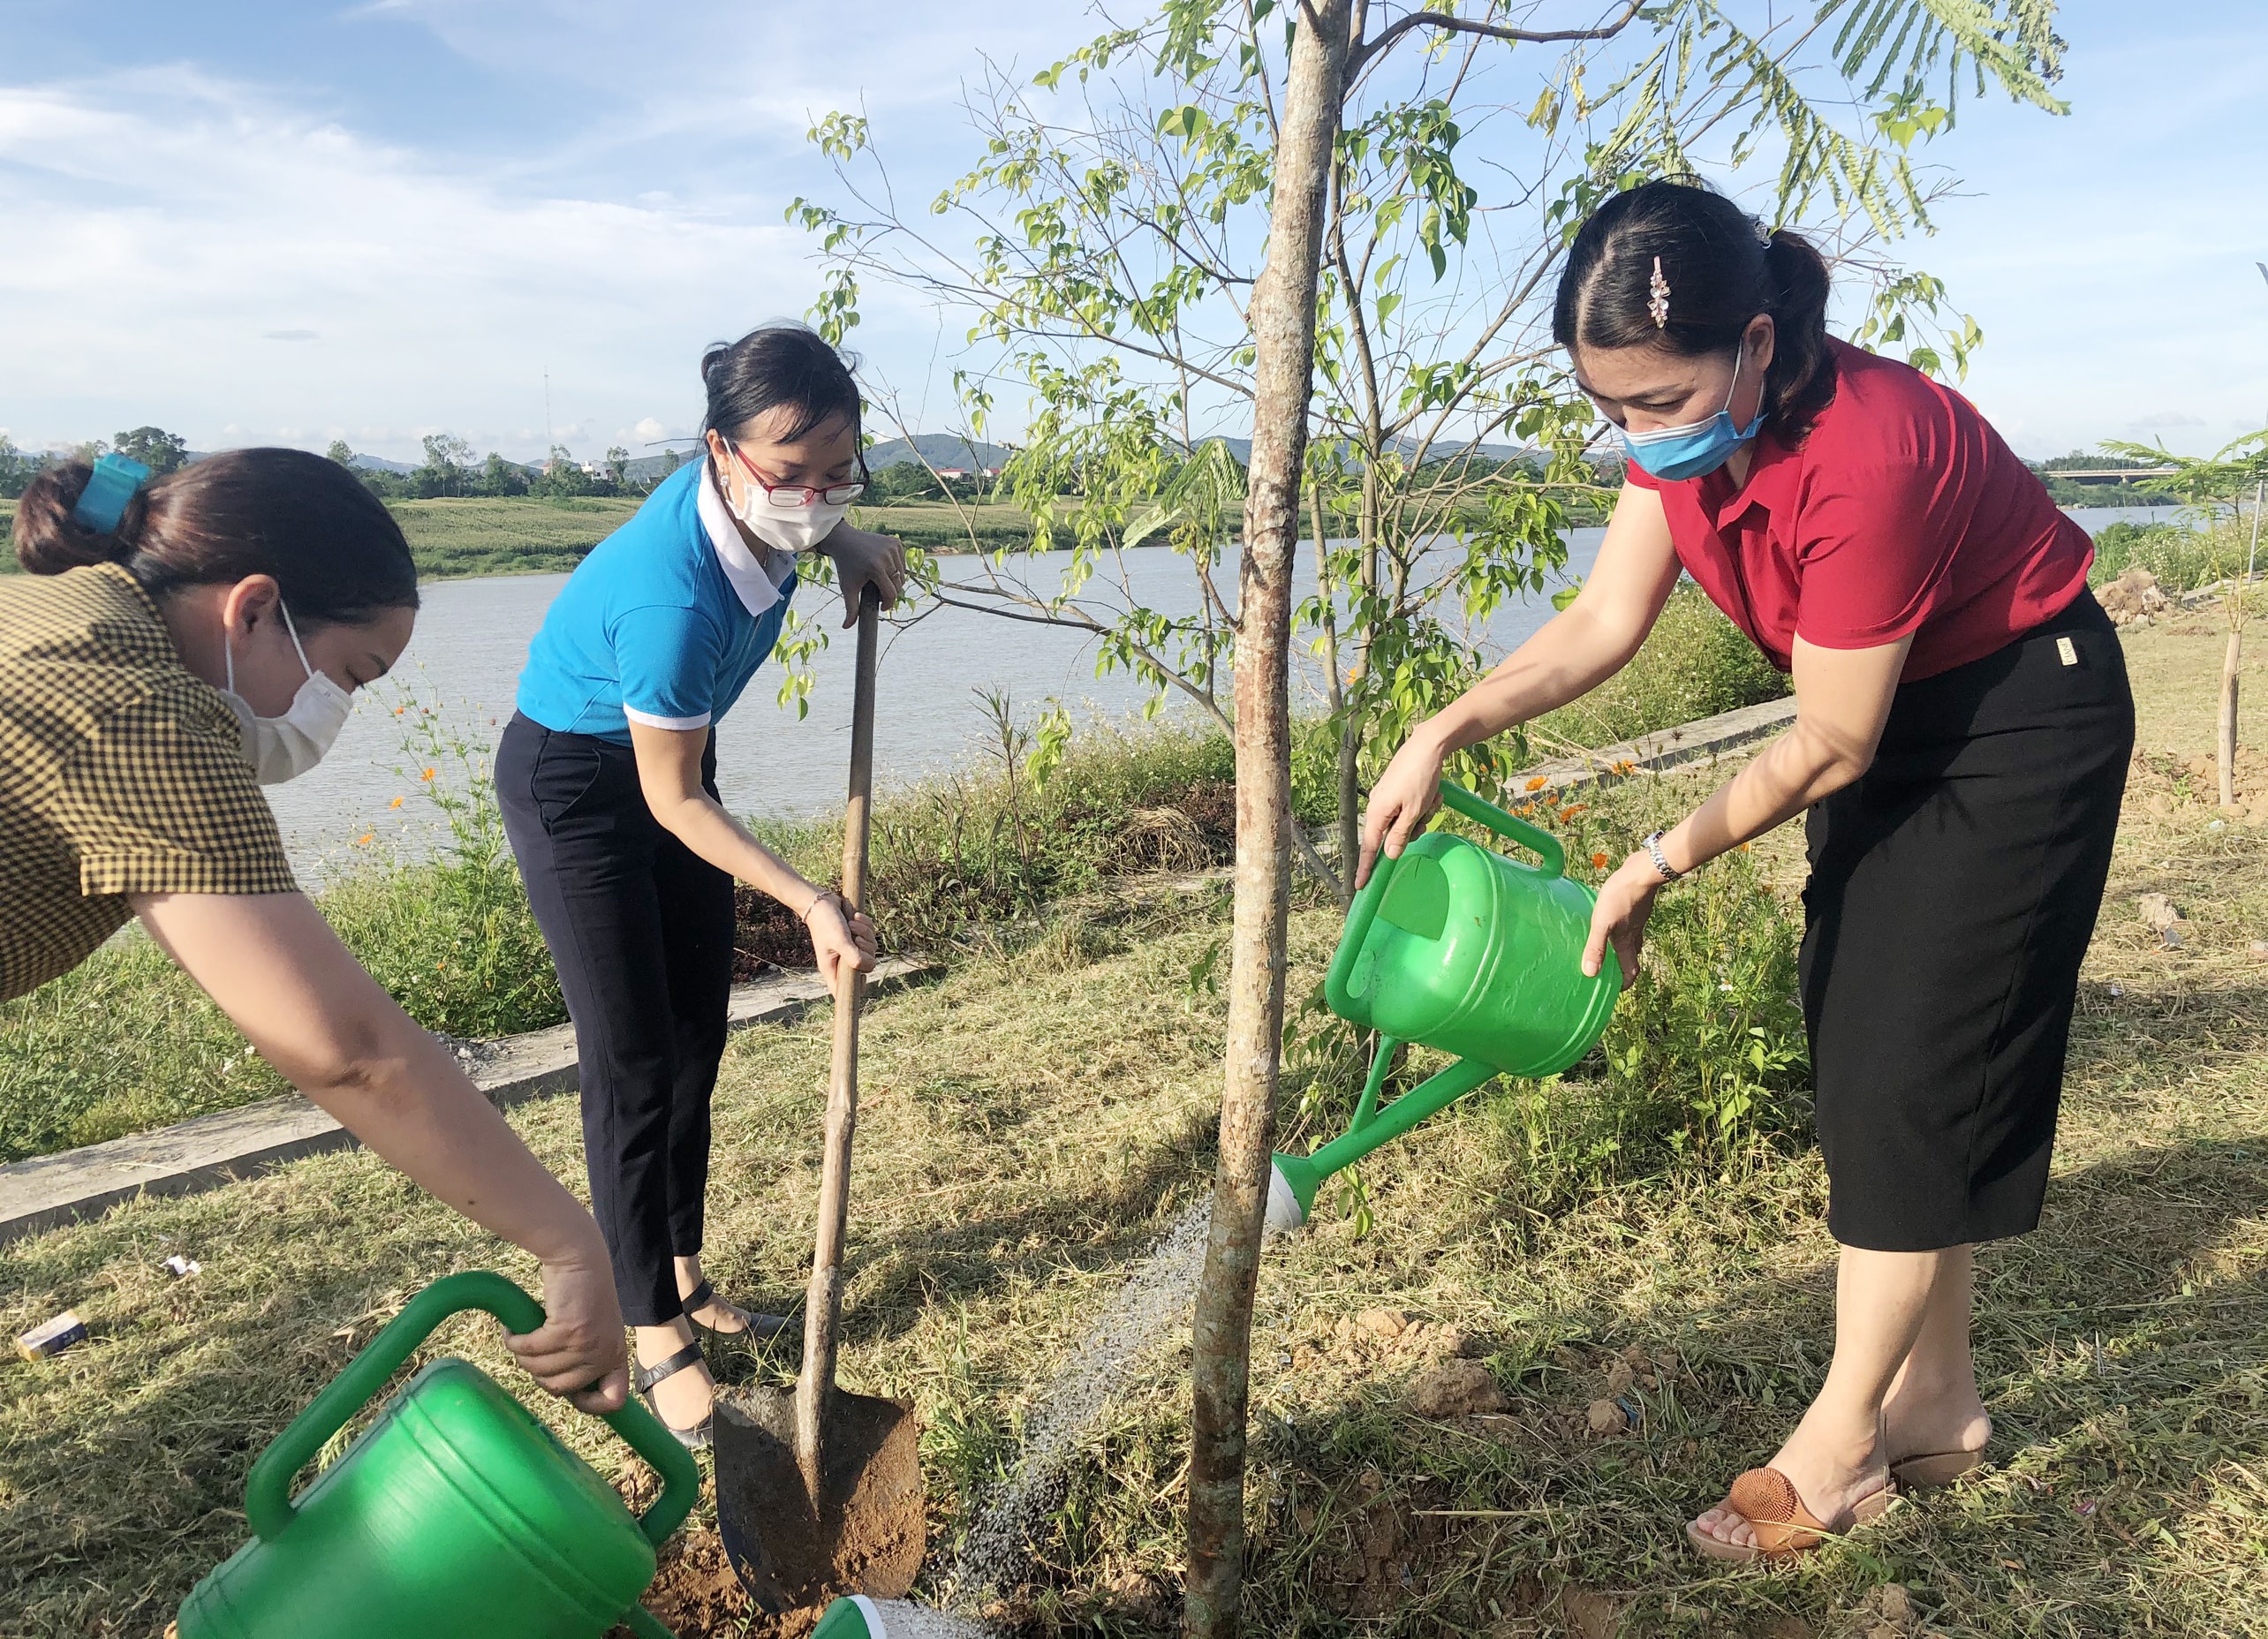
column 1722, row 269
column 331, row 545
column 49, row 540
column 779, row 365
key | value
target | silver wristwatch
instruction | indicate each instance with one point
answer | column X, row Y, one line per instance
column 1660, row 861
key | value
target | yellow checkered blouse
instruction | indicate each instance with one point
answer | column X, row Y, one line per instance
column 120, row 772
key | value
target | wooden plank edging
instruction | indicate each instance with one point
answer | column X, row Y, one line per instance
column 209, row 1150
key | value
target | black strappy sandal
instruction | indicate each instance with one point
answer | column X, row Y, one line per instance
column 644, row 1378
column 760, row 1328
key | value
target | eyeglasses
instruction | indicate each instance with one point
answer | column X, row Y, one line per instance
column 793, row 496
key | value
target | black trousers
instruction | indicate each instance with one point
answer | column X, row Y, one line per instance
column 1954, row 889
column 641, row 930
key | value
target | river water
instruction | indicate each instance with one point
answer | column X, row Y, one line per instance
column 472, row 637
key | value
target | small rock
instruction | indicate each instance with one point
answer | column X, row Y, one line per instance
column 1132, row 1594
column 1895, row 1603
column 1606, row 1417
column 1383, row 1323
column 2158, row 912
column 1590, row 1615
column 1619, row 1378
column 1456, row 1388
column 2259, row 949
column 1452, row 1342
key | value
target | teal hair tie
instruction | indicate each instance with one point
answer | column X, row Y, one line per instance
column 115, row 480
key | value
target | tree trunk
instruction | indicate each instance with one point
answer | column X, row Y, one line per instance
column 1284, row 333
column 2231, row 660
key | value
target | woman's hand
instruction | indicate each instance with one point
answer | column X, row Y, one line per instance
column 1405, row 794
column 863, row 559
column 1626, row 899
column 838, row 936
column 577, row 1352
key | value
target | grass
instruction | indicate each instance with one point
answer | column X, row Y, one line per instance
column 453, row 539
column 940, row 527
column 970, row 861
column 1033, row 1118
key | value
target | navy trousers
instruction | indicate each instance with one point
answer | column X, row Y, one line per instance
column 641, row 930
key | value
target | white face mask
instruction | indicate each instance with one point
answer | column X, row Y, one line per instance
column 284, row 748
column 792, row 529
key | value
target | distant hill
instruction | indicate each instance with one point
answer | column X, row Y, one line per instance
column 939, row 449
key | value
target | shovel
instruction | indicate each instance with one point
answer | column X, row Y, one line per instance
column 819, row 1491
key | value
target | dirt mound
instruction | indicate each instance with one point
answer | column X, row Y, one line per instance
column 2133, row 598
column 874, row 1529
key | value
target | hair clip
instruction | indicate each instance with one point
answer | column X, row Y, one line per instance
column 1763, row 231
column 1658, row 297
column 114, row 481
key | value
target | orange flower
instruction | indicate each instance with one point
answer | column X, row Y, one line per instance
column 365, row 839
column 396, row 803
column 397, row 711
column 1538, row 784
column 429, row 775
column 1599, row 862
column 1573, row 808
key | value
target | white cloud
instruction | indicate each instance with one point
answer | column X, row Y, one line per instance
column 2164, row 420
column 411, row 289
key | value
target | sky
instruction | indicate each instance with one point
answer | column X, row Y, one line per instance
column 520, row 221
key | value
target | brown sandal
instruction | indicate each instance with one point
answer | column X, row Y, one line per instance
column 1926, row 1470
column 1780, row 1524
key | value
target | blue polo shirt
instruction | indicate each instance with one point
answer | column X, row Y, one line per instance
column 664, row 624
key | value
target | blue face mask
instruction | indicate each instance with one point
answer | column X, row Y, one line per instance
column 1675, row 452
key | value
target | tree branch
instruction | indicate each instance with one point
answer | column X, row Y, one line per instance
column 1369, row 49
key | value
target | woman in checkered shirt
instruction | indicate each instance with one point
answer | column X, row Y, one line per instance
column 174, row 646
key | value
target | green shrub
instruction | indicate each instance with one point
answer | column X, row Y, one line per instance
column 1694, row 663
column 451, row 937
column 2183, row 559
column 989, row 843
column 1703, row 1061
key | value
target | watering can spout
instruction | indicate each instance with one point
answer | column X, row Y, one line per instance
column 1292, row 1183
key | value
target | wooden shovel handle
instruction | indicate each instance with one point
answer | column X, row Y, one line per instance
column 823, row 1302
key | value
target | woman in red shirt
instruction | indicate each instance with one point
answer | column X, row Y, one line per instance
column 1961, row 742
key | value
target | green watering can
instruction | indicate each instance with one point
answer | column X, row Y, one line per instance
column 455, row 1516
column 1458, row 948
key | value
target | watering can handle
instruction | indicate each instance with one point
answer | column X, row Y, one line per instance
column 268, row 1490
column 1529, row 836
column 1364, row 911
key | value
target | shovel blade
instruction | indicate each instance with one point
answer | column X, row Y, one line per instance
column 870, row 1530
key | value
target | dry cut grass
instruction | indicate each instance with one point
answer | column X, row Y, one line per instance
column 1031, row 1121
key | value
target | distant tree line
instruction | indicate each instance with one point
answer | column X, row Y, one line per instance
column 450, row 468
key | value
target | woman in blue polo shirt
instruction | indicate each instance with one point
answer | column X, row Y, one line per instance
column 608, row 777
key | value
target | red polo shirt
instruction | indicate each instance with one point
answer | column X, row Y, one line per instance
column 1902, row 511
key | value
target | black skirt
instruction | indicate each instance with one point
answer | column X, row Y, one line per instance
column 1954, row 889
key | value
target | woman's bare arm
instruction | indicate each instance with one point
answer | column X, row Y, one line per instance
column 276, row 969
column 669, row 777
column 1842, row 702
column 1578, row 649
